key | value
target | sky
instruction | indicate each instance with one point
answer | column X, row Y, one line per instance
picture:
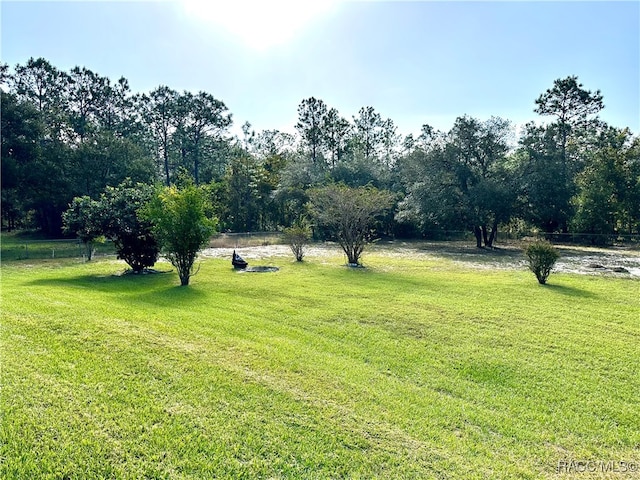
column 416, row 62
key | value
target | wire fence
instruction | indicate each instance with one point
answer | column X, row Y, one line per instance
column 15, row 248
column 246, row 239
column 595, row 239
column 24, row 249
column 506, row 237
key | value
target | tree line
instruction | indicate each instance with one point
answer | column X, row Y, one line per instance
column 68, row 134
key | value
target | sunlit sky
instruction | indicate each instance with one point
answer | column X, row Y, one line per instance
column 415, row 62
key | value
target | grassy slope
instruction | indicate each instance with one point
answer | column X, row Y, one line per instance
column 400, row 370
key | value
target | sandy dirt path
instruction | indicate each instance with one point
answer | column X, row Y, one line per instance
column 573, row 259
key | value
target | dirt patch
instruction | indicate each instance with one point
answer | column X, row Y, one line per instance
column 614, row 261
column 269, row 251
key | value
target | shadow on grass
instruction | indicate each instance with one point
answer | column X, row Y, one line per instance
column 568, row 291
column 120, row 283
column 115, row 281
column 158, row 289
column 171, row 296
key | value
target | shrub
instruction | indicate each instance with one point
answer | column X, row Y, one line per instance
column 298, row 237
column 115, row 215
column 119, row 215
column 542, row 257
column 182, row 225
column 349, row 214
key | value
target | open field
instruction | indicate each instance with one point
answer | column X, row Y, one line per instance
column 424, row 366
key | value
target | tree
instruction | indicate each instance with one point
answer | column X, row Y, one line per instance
column 544, row 190
column 461, row 179
column 349, row 214
column 570, row 104
column 45, row 179
column 119, row 112
column 119, row 216
column 200, row 118
column 297, row 237
column 335, row 130
column 311, row 119
column 368, row 131
column 21, row 152
column 572, row 107
column 248, row 136
column 182, row 225
column 45, row 87
column 296, row 178
column 81, row 219
column 108, row 159
column 271, row 142
column 390, row 139
column 88, row 95
column 608, row 186
column 242, row 194
column 159, row 113
column 4, row 74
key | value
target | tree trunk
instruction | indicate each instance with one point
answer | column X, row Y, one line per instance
column 492, row 236
column 484, row 236
column 196, row 160
column 478, row 234
column 166, row 167
column 196, row 170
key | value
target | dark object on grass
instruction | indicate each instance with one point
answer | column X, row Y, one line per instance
column 596, row 265
column 237, row 261
column 619, row 270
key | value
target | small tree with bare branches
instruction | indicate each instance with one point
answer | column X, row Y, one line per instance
column 349, row 214
column 297, row 237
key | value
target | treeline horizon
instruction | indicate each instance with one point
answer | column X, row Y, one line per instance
column 72, row 133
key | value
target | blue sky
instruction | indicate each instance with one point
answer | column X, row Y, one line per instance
column 414, row 62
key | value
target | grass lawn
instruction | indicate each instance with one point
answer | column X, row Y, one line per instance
column 403, row 369
column 30, row 246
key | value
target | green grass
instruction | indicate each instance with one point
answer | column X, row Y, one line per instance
column 32, row 246
column 401, row 370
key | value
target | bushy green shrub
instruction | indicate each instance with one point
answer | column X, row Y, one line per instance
column 116, row 215
column 119, row 216
column 297, row 237
column 182, row 224
column 542, row 257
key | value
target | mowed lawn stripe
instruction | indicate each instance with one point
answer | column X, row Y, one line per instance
column 400, row 370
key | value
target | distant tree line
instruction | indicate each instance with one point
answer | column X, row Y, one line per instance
column 76, row 133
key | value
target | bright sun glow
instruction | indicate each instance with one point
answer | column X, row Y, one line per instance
column 259, row 24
